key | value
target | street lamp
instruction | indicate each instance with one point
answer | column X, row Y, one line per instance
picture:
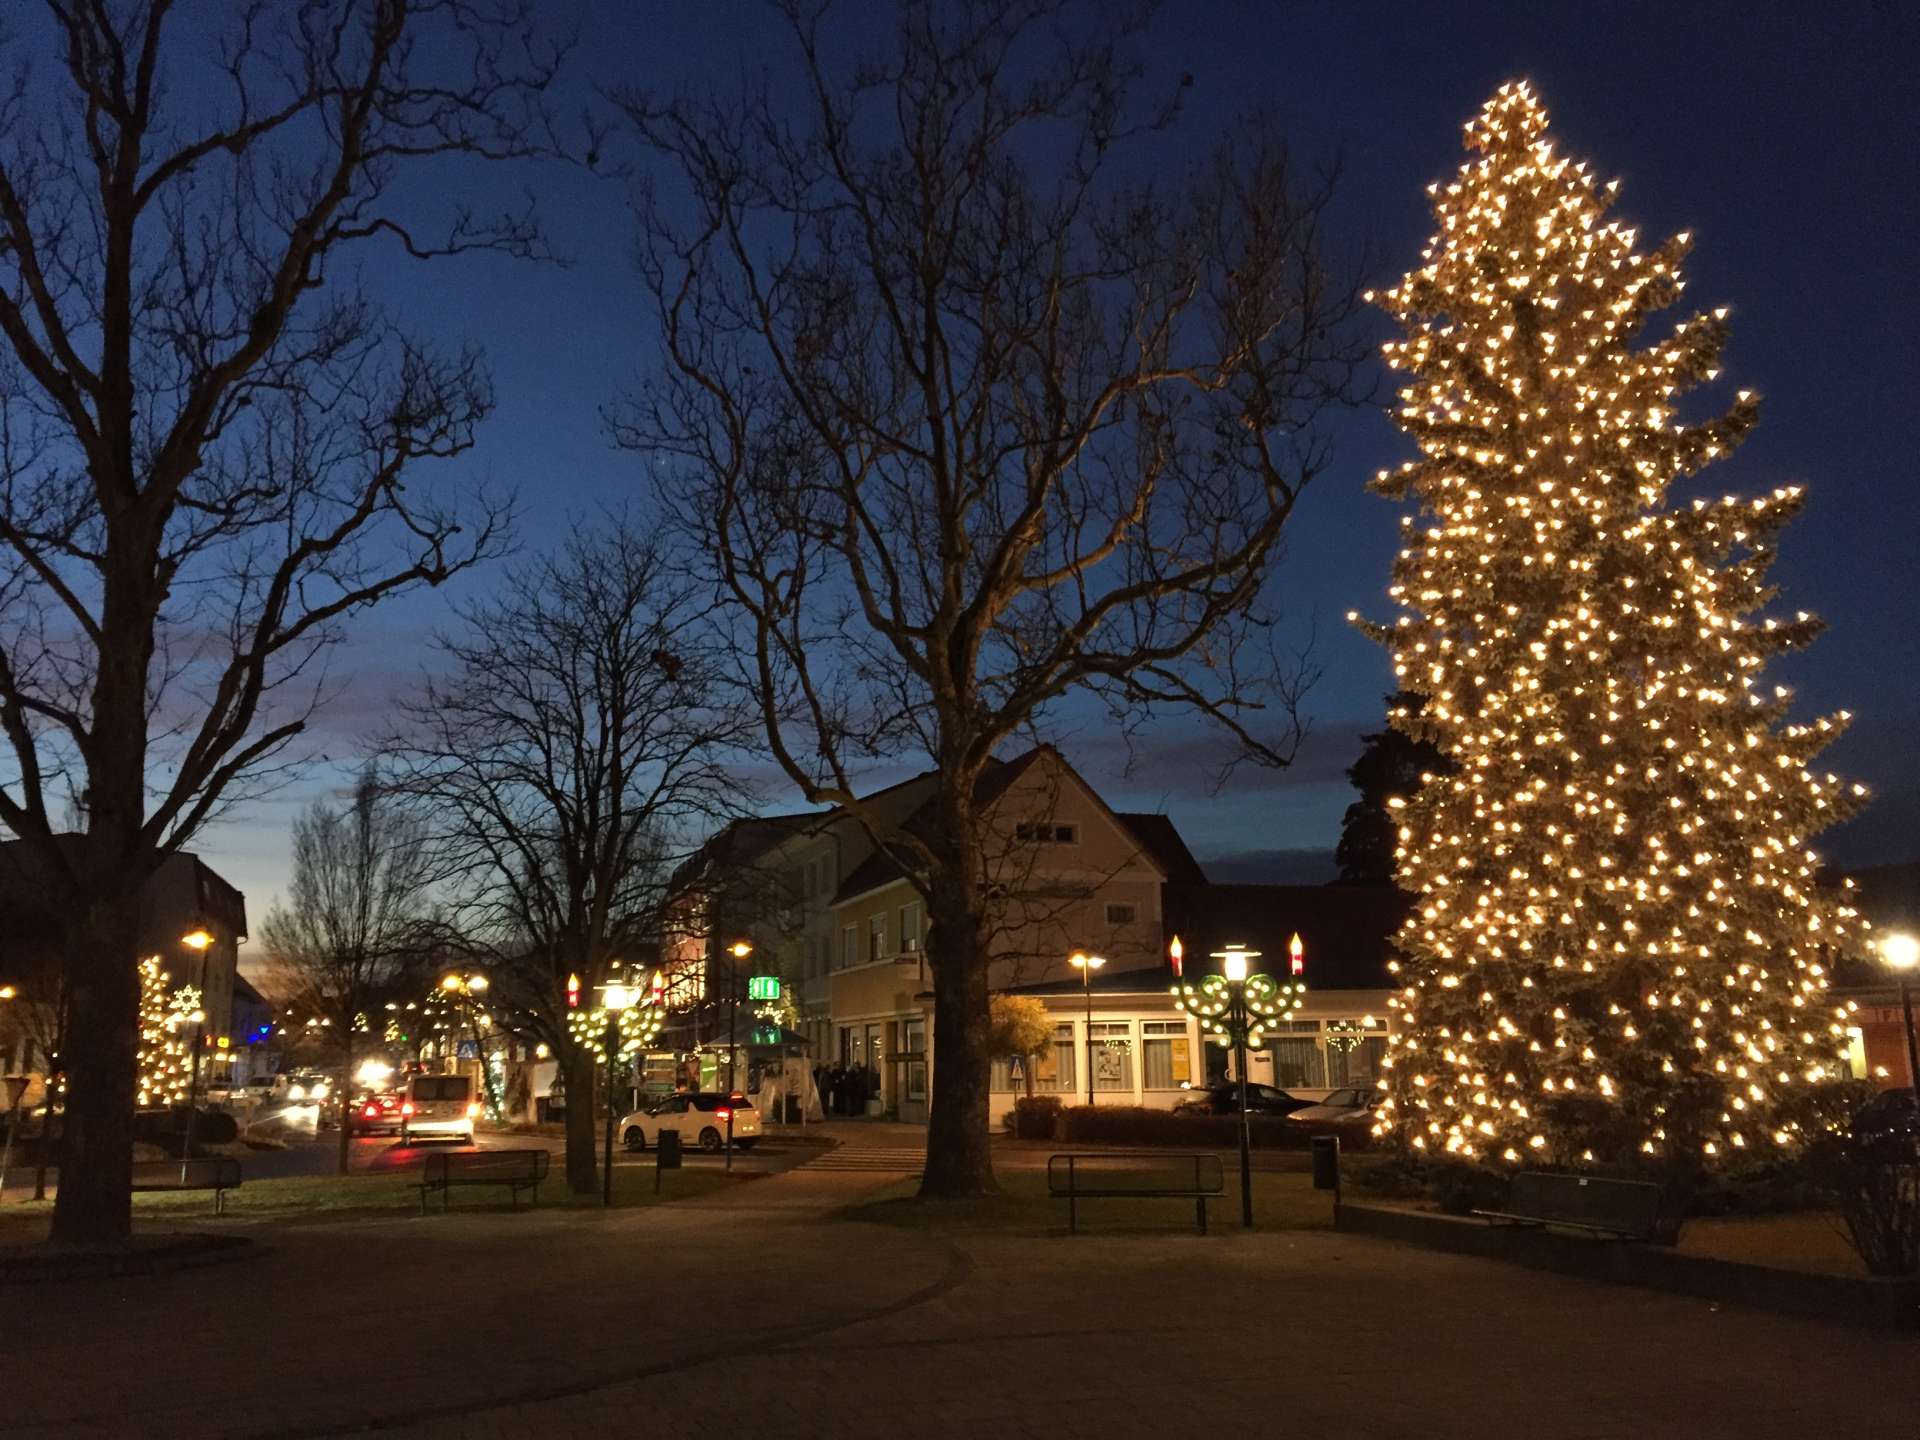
column 621, row 1025
column 1238, row 1005
column 1086, row 965
column 617, row 998
column 740, row 950
column 1902, row 953
column 468, row 987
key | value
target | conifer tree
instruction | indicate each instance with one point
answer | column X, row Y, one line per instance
column 1617, row 956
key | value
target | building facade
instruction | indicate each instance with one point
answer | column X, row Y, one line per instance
column 837, row 920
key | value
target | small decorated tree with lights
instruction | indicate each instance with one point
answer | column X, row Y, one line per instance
column 1617, row 958
column 162, row 1074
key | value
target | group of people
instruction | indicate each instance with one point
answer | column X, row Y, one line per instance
column 846, row 1089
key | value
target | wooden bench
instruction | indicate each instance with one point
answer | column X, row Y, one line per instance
column 218, row 1173
column 516, row 1169
column 1134, row 1175
column 1625, row 1209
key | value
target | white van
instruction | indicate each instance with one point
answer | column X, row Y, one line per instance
column 438, row 1105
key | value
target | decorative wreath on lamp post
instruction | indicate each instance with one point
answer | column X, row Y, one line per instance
column 634, row 1027
column 1265, row 1002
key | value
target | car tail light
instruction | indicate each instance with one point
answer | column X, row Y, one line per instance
column 371, row 1111
column 473, row 1109
column 723, row 1113
column 407, row 1109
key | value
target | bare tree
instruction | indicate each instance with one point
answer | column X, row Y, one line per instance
column 351, row 934
column 573, row 756
column 972, row 426
column 209, row 437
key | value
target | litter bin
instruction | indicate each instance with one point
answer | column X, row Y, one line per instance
column 1326, row 1163
column 666, row 1155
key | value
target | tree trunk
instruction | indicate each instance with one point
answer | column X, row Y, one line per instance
column 583, row 1167
column 94, row 1204
column 958, row 1159
column 346, row 1101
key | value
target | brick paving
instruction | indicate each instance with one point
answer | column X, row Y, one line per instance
column 756, row 1313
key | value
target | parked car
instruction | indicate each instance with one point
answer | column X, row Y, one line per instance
column 1343, row 1112
column 379, row 1113
column 700, row 1117
column 1224, row 1099
column 441, row 1106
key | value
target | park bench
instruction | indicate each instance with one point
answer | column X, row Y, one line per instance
column 1134, row 1175
column 1626, row 1209
column 218, row 1173
column 516, row 1169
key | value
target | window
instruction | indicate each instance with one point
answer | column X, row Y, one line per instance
column 849, row 956
column 877, row 937
column 1037, row 832
column 1112, row 1044
column 910, row 926
column 1166, row 1054
column 1052, row 1071
column 1355, row 1064
column 1120, row 914
column 1297, row 1057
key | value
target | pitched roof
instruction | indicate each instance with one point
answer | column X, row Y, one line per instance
column 1347, row 930
column 1157, row 836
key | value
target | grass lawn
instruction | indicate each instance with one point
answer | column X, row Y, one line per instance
column 310, row 1198
column 1280, row 1202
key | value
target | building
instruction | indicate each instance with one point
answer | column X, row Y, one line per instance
column 1888, row 896
column 835, row 918
column 184, row 897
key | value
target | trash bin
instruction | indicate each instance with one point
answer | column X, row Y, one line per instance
column 1326, row 1163
column 667, row 1150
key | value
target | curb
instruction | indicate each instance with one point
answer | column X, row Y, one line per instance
column 1892, row 1304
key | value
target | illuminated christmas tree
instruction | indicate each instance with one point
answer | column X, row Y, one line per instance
column 162, row 1078
column 1617, row 957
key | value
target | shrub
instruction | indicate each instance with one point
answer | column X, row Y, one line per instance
column 1036, row 1117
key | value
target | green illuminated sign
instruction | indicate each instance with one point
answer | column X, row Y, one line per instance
column 763, row 987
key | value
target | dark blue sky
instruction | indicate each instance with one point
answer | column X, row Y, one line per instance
column 1784, row 136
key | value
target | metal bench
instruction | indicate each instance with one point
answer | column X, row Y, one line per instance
column 1626, row 1209
column 1134, row 1175
column 516, row 1169
column 218, row 1173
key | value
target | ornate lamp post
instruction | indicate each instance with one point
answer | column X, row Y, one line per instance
column 1086, row 965
column 618, row 1028
column 468, row 989
column 1238, row 1006
column 1902, row 954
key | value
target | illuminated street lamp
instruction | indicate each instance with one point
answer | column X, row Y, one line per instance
column 1086, row 965
column 1238, row 1005
column 619, row 1027
column 1902, row 953
column 468, row 988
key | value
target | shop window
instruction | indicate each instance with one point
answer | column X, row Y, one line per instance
column 916, row 1045
column 1166, row 1055
column 1298, row 1061
column 1112, row 1055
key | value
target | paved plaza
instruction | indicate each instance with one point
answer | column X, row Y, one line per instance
column 757, row 1313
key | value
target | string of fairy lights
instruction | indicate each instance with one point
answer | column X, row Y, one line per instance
column 1618, row 950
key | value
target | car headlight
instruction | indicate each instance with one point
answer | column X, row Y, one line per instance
column 296, row 1092
column 319, row 1092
